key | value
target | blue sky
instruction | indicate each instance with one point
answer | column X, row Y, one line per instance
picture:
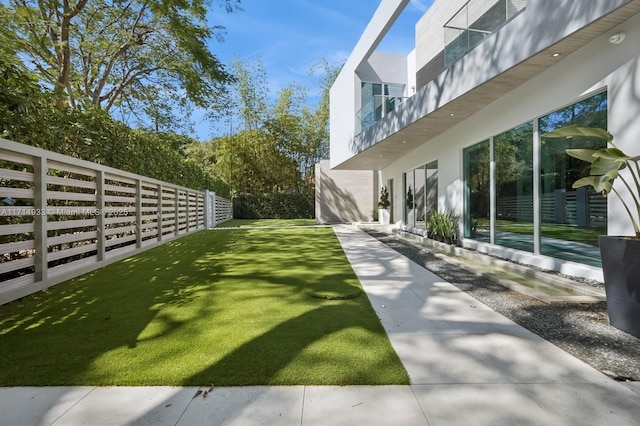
column 290, row 35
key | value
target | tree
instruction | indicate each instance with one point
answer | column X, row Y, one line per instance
column 119, row 52
column 289, row 135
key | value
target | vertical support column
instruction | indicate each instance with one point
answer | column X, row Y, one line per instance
column 159, row 215
column 138, row 213
column 537, row 225
column 101, row 242
column 40, row 220
column 492, row 193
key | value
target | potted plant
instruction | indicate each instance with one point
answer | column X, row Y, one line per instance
column 383, row 206
column 620, row 254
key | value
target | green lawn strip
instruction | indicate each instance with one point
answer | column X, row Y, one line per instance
column 225, row 308
column 250, row 223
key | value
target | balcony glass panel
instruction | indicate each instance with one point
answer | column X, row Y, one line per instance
column 474, row 22
column 377, row 100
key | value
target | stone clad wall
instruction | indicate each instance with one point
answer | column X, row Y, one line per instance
column 344, row 196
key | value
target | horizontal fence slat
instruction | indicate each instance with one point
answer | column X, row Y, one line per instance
column 119, row 178
column 119, row 219
column 117, row 188
column 15, row 265
column 70, row 182
column 120, row 240
column 71, row 266
column 17, row 282
column 71, row 196
column 71, row 168
column 16, row 193
column 18, row 228
column 71, row 238
column 69, row 224
column 119, row 230
column 17, row 246
column 73, row 251
column 16, row 157
column 16, row 175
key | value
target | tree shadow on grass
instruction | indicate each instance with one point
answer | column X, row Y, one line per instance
column 337, row 343
column 151, row 318
column 54, row 338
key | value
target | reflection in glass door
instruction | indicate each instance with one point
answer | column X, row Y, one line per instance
column 477, row 219
column 513, row 153
column 421, row 194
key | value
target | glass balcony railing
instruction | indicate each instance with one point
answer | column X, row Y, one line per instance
column 376, row 110
column 474, row 22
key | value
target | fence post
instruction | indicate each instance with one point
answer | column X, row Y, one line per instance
column 159, row 216
column 101, row 242
column 187, row 198
column 560, row 202
column 138, row 213
column 176, row 208
column 213, row 210
column 582, row 206
column 207, row 210
column 40, row 219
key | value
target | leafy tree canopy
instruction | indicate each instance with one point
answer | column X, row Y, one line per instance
column 147, row 56
column 273, row 145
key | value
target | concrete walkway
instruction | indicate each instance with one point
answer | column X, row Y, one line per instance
column 468, row 366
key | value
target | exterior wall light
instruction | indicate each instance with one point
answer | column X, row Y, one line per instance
column 617, row 38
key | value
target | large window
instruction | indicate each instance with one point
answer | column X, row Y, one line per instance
column 570, row 215
column 477, row 195
column 568, row 221
column 513, row 153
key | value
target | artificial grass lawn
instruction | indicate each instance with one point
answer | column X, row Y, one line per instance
column 224, row 307
column 248, row 223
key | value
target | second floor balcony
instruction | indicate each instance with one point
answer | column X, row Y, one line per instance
column 475, row 21
column 375, row 110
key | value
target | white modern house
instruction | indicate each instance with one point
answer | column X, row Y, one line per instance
column 457, row 124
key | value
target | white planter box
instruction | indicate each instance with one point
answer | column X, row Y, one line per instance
column 383, row 216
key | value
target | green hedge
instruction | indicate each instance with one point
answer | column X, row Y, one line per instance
column 28, row 116
column 275, row 206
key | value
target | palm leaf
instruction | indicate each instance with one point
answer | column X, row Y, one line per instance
column 574, row 130
column 582, row 154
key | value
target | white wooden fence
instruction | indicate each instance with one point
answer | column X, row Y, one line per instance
column 583, row 207
column 61, row 217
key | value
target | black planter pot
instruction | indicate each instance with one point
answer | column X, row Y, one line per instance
column 621, row 269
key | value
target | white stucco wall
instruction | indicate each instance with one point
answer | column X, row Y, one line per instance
column 342, row 112
column 600, row 65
